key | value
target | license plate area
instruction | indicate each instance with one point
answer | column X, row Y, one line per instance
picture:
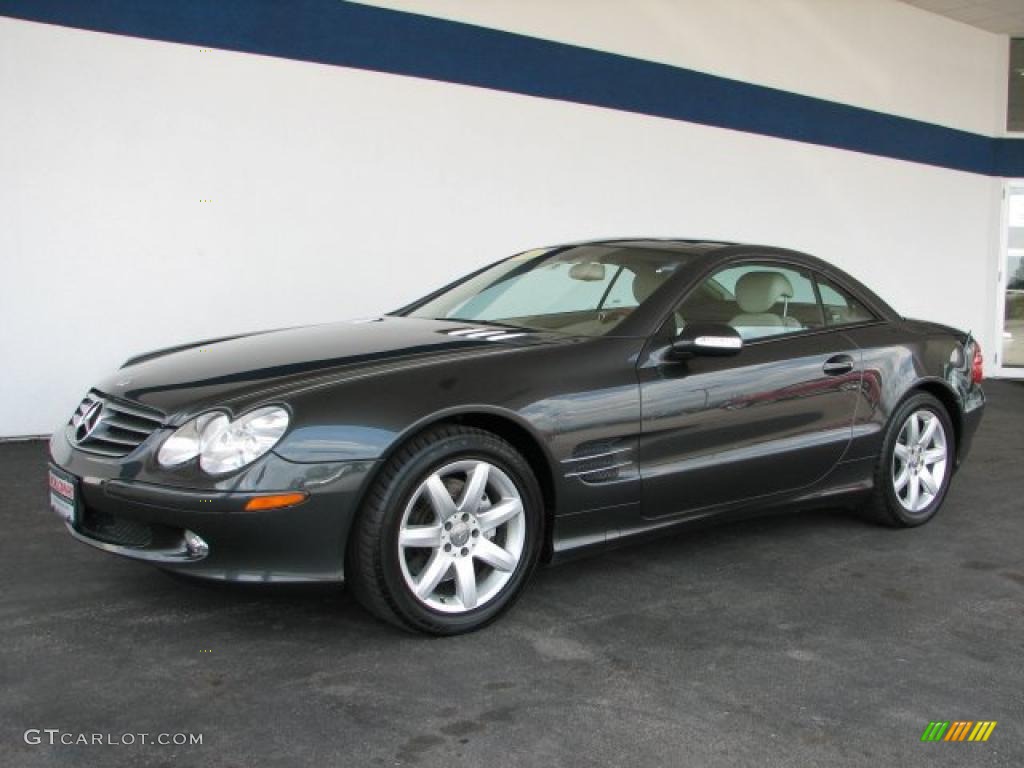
column 64, row 496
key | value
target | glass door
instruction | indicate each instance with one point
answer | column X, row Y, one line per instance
column 1011, row 287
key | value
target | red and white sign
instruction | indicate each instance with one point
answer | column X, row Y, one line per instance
column 63, row 487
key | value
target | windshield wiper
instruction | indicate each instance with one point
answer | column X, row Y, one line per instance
column 486, row 322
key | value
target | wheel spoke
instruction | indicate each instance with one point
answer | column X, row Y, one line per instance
column 465, row 582
column 500, row 513
column 929, row 431
column 435, row 570
column 440, row 499
column 928, row 481
column 420, row 536
column 494, row 556
column 461, row 536
column 919, row 460
column 915, row 492
column 476, row 484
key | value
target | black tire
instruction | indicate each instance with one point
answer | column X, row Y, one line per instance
column 372, row 568
column 884, row 505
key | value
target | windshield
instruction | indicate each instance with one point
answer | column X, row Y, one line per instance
column 582, row 290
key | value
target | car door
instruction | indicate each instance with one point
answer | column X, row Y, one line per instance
column 773, row 418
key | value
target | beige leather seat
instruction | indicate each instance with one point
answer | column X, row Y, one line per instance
column 645, row 283
column 757, row 294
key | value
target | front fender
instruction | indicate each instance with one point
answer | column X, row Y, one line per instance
column 567, row 398
column 354, row 442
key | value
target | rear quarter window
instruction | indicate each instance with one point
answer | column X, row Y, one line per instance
column 840, row 307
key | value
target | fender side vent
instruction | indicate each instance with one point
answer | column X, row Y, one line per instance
column 601, row 461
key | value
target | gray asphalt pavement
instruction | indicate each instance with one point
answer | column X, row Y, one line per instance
column 811, row 639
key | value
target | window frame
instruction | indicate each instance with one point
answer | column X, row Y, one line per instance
column 1013, row 43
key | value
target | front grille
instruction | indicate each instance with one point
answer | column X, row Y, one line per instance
column 110, row 427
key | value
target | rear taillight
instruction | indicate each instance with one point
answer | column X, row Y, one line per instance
column 977, row 365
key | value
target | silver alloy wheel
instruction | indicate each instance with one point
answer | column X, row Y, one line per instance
column 919, row 460
column 461, row 536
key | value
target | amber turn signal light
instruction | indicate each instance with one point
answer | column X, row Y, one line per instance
column 275, row 501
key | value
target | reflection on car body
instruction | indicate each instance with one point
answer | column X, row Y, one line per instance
column 564, row 399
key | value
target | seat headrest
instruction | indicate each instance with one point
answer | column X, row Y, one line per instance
column 759, row 291
column 645, row 283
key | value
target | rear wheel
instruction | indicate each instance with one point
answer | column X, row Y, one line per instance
column 449, row 534
column 914, row 469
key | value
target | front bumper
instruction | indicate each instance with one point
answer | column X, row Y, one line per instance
column 148, row 522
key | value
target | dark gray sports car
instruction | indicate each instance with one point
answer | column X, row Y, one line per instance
column 565, row 398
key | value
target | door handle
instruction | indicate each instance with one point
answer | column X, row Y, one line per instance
column 838, row 365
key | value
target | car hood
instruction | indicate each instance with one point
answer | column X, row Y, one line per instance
column 235, row 371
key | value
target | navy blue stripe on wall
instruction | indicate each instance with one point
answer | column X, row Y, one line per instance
column 364, row 37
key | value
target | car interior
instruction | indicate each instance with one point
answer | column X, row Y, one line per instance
column 605, row 283
column 765, row 302
column 588, row 290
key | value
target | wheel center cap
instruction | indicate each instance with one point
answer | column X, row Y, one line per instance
column 459, row 533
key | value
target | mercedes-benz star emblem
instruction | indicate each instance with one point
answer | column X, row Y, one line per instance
column 89, row 422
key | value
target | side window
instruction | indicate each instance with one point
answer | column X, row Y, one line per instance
column 840, row 307
column 757, row 299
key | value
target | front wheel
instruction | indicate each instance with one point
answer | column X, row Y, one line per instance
column 449, row 534
column 916, row 464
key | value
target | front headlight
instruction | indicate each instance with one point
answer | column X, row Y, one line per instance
column 186, row 443
column 223, row 445
column 243, row 441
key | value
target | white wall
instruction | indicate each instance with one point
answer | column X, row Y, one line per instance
column 878, row 54
column 338, row 193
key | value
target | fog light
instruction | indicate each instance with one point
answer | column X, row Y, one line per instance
column 195, row 544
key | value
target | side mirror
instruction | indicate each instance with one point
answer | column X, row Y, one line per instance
column 706, row 340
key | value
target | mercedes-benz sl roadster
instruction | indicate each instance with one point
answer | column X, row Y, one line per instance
column 563, row 399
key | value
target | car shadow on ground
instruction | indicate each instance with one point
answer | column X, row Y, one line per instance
column 678, row 552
